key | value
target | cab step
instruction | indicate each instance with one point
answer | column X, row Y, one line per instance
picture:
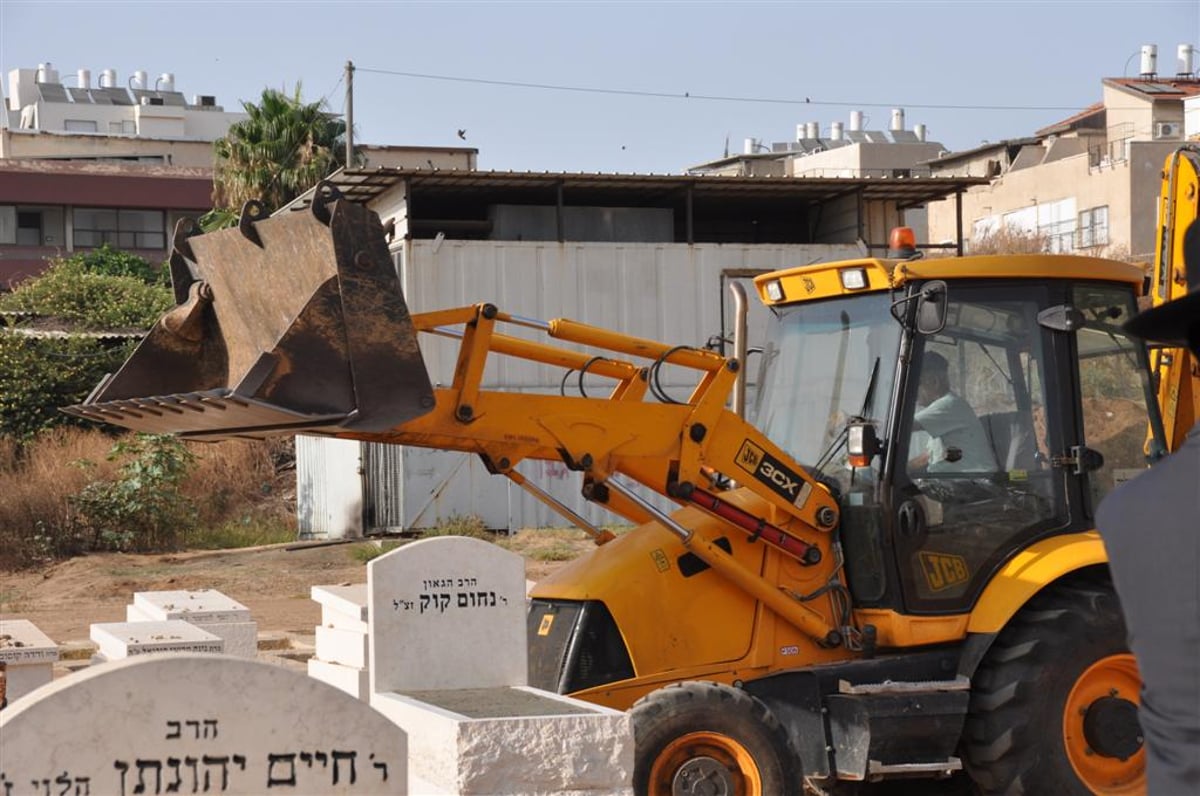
column 896, row 728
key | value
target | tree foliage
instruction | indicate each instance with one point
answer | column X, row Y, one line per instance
column 108, row 261
column 39, row 375
column 104, row 290
column 285, row 147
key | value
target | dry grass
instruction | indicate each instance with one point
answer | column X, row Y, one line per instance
column 37, row 482
column 244, row 493
column 235, row 479
column 548, row 544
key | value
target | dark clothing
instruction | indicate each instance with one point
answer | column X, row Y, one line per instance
column 1151, row 529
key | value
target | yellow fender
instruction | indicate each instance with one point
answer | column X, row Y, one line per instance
column 1029, row 572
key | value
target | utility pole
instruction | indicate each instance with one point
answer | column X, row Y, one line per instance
column 349, row 114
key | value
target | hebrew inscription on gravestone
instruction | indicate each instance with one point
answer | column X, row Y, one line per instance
column 196, row 724
column 446, row 613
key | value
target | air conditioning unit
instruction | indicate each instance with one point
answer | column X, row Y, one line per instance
column 1168, row 130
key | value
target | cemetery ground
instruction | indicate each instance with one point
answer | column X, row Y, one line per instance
column 274, row 581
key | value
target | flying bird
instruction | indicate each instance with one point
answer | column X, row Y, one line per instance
column 462, row 134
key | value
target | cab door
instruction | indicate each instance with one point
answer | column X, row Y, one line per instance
column 973, row 476
column 1118, row 431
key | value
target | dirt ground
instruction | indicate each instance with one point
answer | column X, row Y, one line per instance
column 274, row 582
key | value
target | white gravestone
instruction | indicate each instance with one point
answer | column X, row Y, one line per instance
column 207, row 609
column 449, row 665
column 28, row 655
column 197, row 724
column 447, row 612
column 119, row 640
column 341, row 657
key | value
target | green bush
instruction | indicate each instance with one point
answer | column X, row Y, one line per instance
column 101, row 290
column 142, row 508
column 84, row 299
column 108, row 261
column 38, row 375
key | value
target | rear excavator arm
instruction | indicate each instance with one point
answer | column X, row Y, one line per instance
column 296, row 323
column 1176, row 370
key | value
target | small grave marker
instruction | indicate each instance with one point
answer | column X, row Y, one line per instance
column 28, row 655
column 119, row 640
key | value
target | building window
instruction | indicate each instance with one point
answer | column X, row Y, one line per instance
column 29, row 228
column 1059, row 235
column 79, row 126
column 123, row 229
column 1093, row 227
column 126, row 127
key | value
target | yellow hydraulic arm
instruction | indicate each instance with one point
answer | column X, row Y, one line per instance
column 1176, row 370
column 667, row 448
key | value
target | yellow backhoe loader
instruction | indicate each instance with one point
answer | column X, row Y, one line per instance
column 892, row 573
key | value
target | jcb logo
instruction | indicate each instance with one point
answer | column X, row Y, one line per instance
column 943, row 571
column 749, row 456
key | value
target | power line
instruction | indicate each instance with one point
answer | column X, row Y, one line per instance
column 716, row 97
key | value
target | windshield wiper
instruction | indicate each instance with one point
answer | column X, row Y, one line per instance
column 837, row 442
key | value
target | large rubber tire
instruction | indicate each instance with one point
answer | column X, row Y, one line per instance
column 710, row 739
column 1063, row 655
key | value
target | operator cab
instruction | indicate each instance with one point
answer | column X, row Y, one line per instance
column 939, row 400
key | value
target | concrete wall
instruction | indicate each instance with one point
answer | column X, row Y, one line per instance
column 1191, row 118
column 418, row 157
column 34, row 145
column 864, row 160
column 207, row 125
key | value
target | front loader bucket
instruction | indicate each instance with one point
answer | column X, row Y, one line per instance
column 284, row 324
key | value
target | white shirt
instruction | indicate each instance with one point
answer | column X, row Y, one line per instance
column 951, row 423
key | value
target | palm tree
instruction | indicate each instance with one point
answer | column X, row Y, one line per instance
column 284, row 148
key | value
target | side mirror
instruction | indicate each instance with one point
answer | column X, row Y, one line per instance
column 862, row 444
column 931, row 307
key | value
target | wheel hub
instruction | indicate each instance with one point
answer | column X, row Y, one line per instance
column 1111, row 728
column 1101, row 734
column 702, row 776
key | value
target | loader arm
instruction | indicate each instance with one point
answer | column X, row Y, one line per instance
column 297, row 323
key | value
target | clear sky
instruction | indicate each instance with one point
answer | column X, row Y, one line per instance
column 968, row 69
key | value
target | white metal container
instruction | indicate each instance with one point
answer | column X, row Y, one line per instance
column 670, row 292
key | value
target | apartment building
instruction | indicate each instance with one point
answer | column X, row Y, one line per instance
column 1087, row 184
column 119, row 162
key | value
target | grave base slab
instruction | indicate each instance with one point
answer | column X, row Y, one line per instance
column 572, row 747
column 354, row 682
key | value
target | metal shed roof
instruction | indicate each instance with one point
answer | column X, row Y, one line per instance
column 363, row 185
